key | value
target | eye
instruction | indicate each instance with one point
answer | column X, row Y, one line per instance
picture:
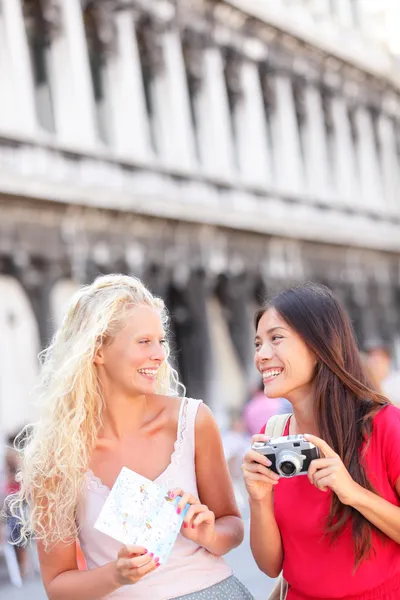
column 144, row 341
column 257, row 345
column 163, row 342
column 277, row 337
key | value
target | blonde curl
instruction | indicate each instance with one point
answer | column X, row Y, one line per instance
column 57, row 451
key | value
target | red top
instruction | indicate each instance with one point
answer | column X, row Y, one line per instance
column 311, row 564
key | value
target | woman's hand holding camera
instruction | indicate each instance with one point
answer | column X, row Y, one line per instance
column 329, row 472
column 133, row 563
column 259, row 479
column 199, row 522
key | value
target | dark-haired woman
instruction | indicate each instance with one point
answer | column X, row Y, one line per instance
column 336, row 531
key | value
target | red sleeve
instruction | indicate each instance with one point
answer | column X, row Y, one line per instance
column 387, row 428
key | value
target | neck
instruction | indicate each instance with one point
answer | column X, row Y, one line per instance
column 123, row 413
column 303, row 402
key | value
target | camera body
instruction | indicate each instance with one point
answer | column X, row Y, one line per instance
column 290, row 455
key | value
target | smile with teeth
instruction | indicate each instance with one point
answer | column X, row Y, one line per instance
column 148, row 372
column 271, row 374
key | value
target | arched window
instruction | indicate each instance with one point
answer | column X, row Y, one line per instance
column 39, row 42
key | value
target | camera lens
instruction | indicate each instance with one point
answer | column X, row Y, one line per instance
column 289, row 463
column 288, row 468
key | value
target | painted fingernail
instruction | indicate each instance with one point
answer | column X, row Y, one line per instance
column 151, row 554
column 145, row 551
column 157, row 559
column 193, row 526
column 178, row 510
column 185, row 525
column 157, row 565
column 171, row 495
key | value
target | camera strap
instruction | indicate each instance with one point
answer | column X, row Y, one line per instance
column 275, row 428
column 276, row 425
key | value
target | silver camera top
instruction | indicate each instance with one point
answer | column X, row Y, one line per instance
column 290, row 455
column 286, row 441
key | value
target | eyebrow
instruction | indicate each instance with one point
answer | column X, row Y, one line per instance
column 271, row 330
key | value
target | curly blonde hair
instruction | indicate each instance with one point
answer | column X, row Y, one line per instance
column 56, row 455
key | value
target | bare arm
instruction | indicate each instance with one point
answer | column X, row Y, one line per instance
column 381, row 513
column 215, row 485
column 265, row 537
column 63, row 581
column 213, row 520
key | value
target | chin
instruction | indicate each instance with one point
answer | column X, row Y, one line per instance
column 273, row 392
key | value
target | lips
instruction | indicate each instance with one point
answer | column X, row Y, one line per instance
column 271, row 373
column 148, row 373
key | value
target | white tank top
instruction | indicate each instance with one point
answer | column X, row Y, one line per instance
column 189, row 567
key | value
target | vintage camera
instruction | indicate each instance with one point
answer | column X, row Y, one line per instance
column 290, row 455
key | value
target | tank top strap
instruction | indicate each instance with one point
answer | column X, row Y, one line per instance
column 185, row 443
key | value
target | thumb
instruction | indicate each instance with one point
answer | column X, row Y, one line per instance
column 129, row 551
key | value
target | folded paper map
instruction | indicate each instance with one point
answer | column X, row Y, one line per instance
column 139, row 512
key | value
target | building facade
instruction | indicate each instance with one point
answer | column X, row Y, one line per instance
column 218, row 149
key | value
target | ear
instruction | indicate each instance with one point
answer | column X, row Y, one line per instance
column 99, row 356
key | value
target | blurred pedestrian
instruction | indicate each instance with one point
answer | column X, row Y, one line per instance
column 379, row 363
column 335, row 531
column 260, row 408
column 236, row 440
column 12, row 486
column 111, row 399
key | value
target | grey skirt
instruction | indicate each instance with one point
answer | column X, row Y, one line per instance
column 228, row 589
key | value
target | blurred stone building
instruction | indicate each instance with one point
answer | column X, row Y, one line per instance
column 220, row 150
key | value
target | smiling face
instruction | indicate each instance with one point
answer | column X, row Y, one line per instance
column 285, row 362
column 131, row 360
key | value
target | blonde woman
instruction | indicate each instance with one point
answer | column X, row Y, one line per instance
column 110, row 399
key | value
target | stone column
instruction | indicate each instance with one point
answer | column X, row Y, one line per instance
column 251, row 128
column 188, row 308
column 345, row 13
column 20, row 66
column 390, row 164
column 82, row 121
column 287, row 146
column 176, row 104
column 8, row 114
column 215, row 134
column 130, row 123
column 344, row 154
column 38, row 279
column 317, row 162
column 370, row 176
column 235, row 293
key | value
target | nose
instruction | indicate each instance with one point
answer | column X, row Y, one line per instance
column 265, row 352
column 158, row 352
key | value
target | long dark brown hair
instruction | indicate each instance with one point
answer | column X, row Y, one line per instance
column 345, row 403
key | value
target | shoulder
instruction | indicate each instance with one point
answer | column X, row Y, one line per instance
column 388, row 418
column 204, row 418
column 385, row 440
column 206, row 428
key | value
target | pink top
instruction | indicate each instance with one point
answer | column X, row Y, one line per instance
column 190, row 567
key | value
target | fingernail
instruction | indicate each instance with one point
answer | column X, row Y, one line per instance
column 193, row 526
column 157, row 565
column 145, row 552
column 151, row 554
column 185, row 525
column 156, row 559
column 178, row 510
